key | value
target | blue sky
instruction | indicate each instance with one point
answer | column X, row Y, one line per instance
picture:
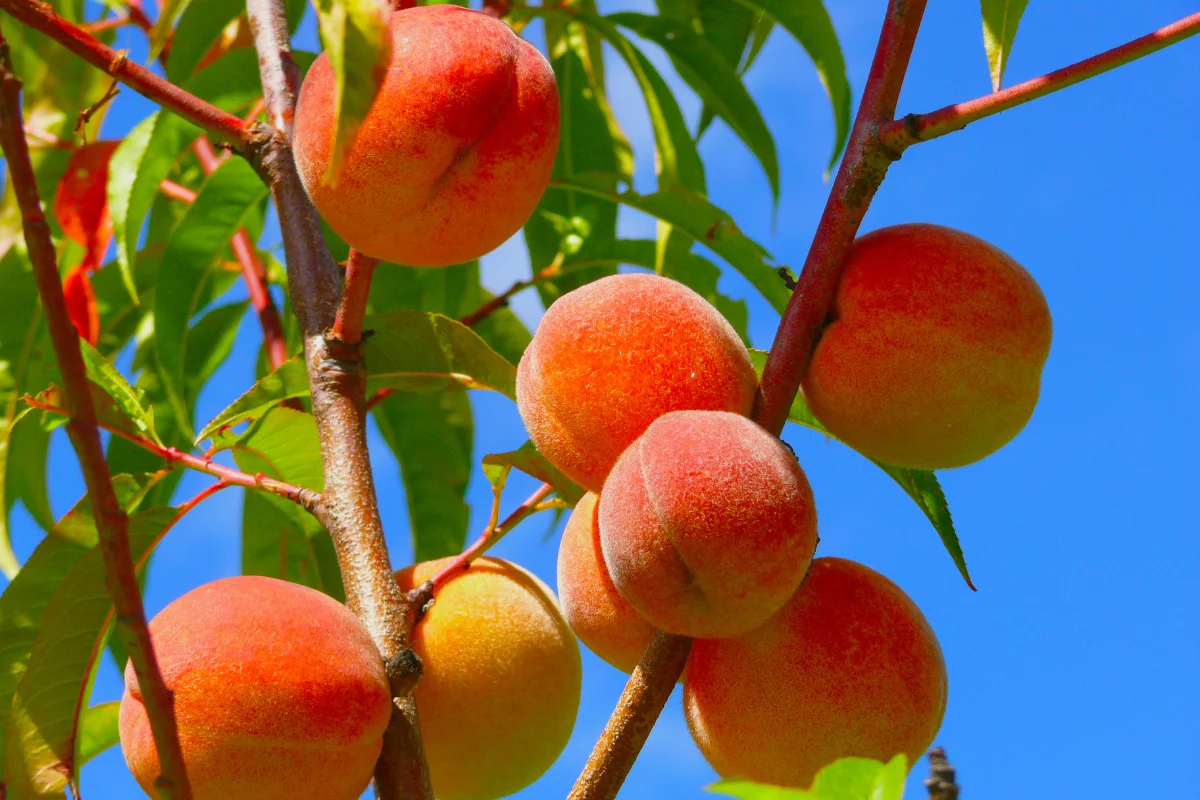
column 1075, row 666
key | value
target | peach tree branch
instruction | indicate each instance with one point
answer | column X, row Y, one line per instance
column 41, row 17
column 899, row 134
column 337, row 378
column 859, row 175
column 356, row 290
column 112, row 525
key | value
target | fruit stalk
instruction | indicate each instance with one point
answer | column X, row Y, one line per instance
column 41, row 17
column 112, row 525
column 858, row 177
column 338, row 381
column 356, row 290
column 899, row 134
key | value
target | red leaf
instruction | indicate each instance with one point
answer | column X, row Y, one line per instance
column 81, row 304
column 81, row 202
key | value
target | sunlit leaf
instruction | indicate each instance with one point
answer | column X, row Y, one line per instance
column 359, row 47
column 704, row 222
column 210, row 341
column 98, row 731
column 160, row 34
column 919, row 484
column 1000, row 21
column 527, row 459
column 844, row 779
column 714, row 80
column 408, row 350
column 219, row 210
column 105, row 376
column 809, row 23
column 430, row 433
column 200, row 25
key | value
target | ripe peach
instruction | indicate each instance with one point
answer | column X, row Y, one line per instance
column 502, row 677
column 611, row 357
column 279, row 694
column 456, row 150
column 849, row 667
column 601, row 618
column 707, row 524
column 933, row 356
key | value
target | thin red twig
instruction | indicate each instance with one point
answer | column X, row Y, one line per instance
column 501, row 300
column 356, row 289
column 100, row 26
column 307, row 498
column 42, row 17
column 177, row 191
column 914, row 128
column 112, row 524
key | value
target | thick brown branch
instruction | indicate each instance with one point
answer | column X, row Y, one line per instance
column 940, row 783
column 356, row 290
column 111, row 522
column 338, row 381
column 914, row 128
column 859, row 175
column 630, row 724
column 41, row 17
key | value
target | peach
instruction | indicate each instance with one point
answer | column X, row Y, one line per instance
column 279, row 694
column 502, row 679
column 455, row 152
column 934, row 352
column 849, row 667
column 612, row 356
column 707, row 524
column 601, row 618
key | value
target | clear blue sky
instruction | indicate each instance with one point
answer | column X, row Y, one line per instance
column 1075, row 667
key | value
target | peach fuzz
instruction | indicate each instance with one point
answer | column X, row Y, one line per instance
column 611, row 357
column 601, row 618
column 707, row 524
column 933, row 356
column 500, row 690
column 456, row 151
column 279, row 694
column 849, row 667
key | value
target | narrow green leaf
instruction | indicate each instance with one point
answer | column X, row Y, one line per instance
column 704, row 68
column 200, row 25
column 105, row 376
column 98, row 731
column 504, row 332
column 109, row 413
column 359, row 47
column 809, row 23
column 168, row 12
column 919, row 484
column 28, row 446
column 408, row 350
column 431, row 434
column 704, row 222
column 279, row 539
column 528, row 460
column 220, row 207
column 210, row 341
column 1000, row 21
column 53, row 692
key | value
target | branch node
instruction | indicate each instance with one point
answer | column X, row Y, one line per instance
column 788, row 280
column 940, row 783
column 403, row 671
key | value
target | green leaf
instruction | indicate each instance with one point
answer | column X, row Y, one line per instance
column 220, row 208
column 704, row 222
column 528, row 460
column 359, row 47
column 98, row 731
column 105, row 377
column 844, row 779
column 25, row 600
column 210, row 341
column 919, row 484
column 200, row 25
column 809, row 23
column 279, row 539
column 1000, row 21
column 168, row 11
column 109, row 412
column 54, row 690
column 408, row 350
column 504, row 332
column 431, row 433
column 704, row 68
column 28, row 446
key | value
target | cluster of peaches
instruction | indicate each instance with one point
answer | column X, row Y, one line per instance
column 696, row 522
